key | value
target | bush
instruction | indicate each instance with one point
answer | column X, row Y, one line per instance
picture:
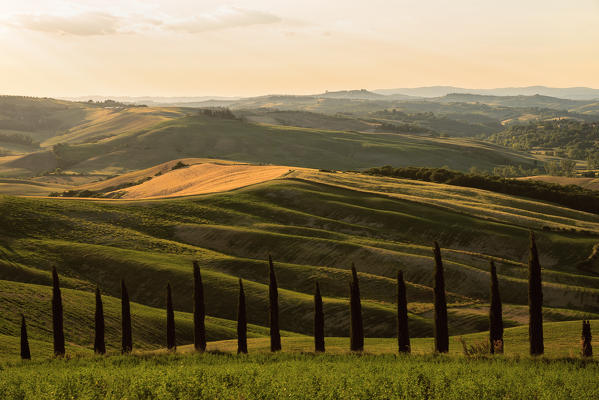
column 477, row 349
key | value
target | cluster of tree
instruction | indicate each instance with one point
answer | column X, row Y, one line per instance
column 564, row 138
column 511, row 171
column 561, row 168
column 356, row 325
column 217, row 112
column 17, row 138
column 107, row 192
column 401, row 127
column 109, row 103
column 572, row 196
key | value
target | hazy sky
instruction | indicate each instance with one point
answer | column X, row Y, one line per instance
column 197, row 47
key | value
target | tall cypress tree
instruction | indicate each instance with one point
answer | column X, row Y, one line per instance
column 587, row 348
column 25, row 353
column 356, row 332
column 242, row 324
column 318, row 321
column 199, row 310
column 440, row 327
column 99, row 343
column 170, row 320
column 495, row 315
column 57, row 317
column 403, row 334
column 273, row 295
column 127, row 339
column 535, row 300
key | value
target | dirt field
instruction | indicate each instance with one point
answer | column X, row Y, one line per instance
column 204, row 178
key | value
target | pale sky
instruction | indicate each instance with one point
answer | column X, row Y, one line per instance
column 242, row 48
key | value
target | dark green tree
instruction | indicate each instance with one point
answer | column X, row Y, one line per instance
column 127, row 338
column 318, row 321
column 25, row 353
column 199, row 310
column 99, row 343
column 171, row 343
column 441, row 331
column 356, row 327
column 495, row 315
column 273, row 296
column 242, row 324
column 57, row 316
column 587, row 348
column 535, row 300
column 403, row 334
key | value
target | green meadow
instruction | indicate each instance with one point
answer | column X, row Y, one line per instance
column 300, row 376
column 315, row 225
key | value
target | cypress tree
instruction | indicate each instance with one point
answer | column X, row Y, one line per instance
column 127, row 339
column 99, row 343
column 441, row 330
column 403, row 334
column 170, row 320
column 199, row 310
column 57, row 317
column 495, row 315
column 356, row 332
column 25, row 353
column 273, row 295
column 242, row 325
column 535, row 300
column 318, row 321
column 587, row 348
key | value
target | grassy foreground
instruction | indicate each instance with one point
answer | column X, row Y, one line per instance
column 300, row 376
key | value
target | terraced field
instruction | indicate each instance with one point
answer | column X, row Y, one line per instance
column 315, row 224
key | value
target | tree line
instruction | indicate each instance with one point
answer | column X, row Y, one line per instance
column 356, row 325
column 571, row 196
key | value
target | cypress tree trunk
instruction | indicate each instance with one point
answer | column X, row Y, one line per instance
column 199, row 310
column 273, row 295
column 356, row 332
column 535, row 300
column 57, row 317
column 495, row 315
column 127, row 339
column 25, row 353
column 170, row 320
column 242, row 325
column 403, row 334
column 318, row 321
column 99, row 343
column 587, row 348
column 440, row 327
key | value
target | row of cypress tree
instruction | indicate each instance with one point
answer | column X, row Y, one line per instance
column 441, row 332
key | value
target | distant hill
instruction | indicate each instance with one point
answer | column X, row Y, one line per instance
column 536, row 100
column 351, row 94
column 197, row 135
column 574, row 93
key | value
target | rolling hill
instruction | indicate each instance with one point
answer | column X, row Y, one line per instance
column 198, row 135
column 315, row 224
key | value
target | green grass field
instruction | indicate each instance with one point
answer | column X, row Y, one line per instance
column 300, row 376
column 315, row 225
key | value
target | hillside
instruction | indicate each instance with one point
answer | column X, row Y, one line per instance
column 587, row 183
column 315, row 224
column 212, row 137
